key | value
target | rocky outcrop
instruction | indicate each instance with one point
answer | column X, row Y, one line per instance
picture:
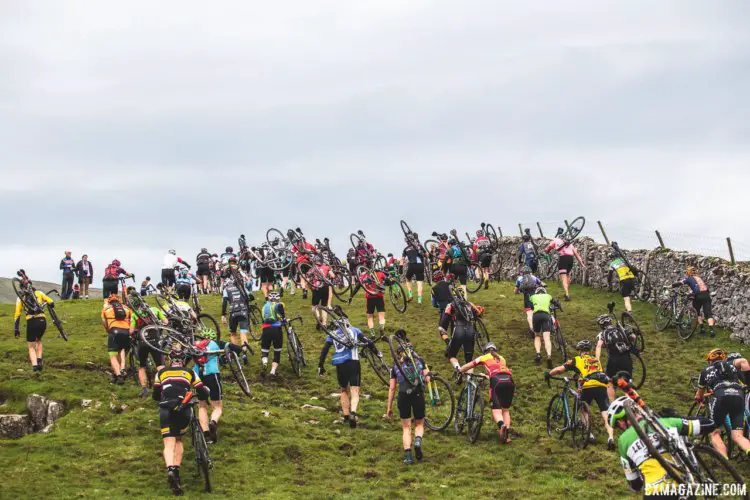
column 730, row 285
column 42, row 414
column 15, row 426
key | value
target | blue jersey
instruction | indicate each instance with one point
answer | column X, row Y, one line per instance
column 407, row 368
column 526, row 253
column 457, row 255
column 183, row 279
column 528, row 283
column 344, row 353
column 211, row 366
column 272, row 314
column 695, row 283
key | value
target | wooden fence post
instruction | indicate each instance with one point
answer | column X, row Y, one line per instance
column 731, row 251
column 604, row 233
column 520, row 229
column 540, row 230
column 661, row 241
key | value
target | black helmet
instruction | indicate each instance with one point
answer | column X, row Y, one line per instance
column 229, row 249
column 584, row 345
column 604, row 320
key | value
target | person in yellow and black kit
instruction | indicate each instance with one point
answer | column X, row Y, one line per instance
column 36, row 324
column 625, row 275
column 116, row 318
column 173, row 388
column 590, row 373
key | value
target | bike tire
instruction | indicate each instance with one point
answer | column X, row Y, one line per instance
column 397, row 297
column 475, row 279
column 459, row 422
column 253, row 313
column 274, row 233
column 342, row 283
column 405, row 228
column 440, row 404
column 28, row 300
column 235, row 366
column 394, row 345
column 355, row 239
column 489, row 230
column 581, row 427
column 628, row 322
column 292, row 353
column 556, row 416
column 475, row 423
column 547, row 266
column 58, row 324
column 559, row 341
column 161, row 338
column 481, row 336
column 710, row 462
column 638, row 375
column 133, row 365
column 207, row 322
column 575, row 228
column 380, row 263
column 662, row 317
column 202, row 458
column 378, row 366
column 686, row 322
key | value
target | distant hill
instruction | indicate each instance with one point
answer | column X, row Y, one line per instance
column 8, row 296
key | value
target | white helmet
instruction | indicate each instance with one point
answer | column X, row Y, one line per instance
column 616, row 410
column 173, row 251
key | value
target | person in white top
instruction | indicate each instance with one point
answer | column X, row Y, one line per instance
column 167, row 269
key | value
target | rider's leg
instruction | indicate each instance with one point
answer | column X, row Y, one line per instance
column 217, row 408
column 406, row 433
column 353, row 398
column 203, row 415
column 32, row 353
column 420, row 286
column 277, row 343
column 547, row 344
column 381, row 322
column 565, row 280
column 718, row 443
column 628, row 304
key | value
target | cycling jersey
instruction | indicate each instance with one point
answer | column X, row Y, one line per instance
column 621, row 268
column 720, row 377
column 209, row 364
column 113, row 272
column 315, row 281
column 232, row 297
column 173, row 383
column 136, row 322
column 562, row 248
column 171, row 261
column 370, row 284
column 541, row 302
column 586, row 365
column 492, row 365
column 615, row 340
column 457, row 255
column 203, row 258
column 526, row 253
column 695, row 283
column 304, row 253
column 110, row 321
column 482, row 244
column 226, row 257
column 412, row 255
column 365, row 253
column 343, row 353
column 528, row 283
column 273, row 313
column 184, row 279
column 20, row 307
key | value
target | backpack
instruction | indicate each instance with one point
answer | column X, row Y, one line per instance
column 119, row 309
column 112, row 272
column 528, row 284
column 616, row 340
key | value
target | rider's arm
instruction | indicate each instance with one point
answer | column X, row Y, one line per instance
column 234, row 348
column 599, row 344
column 391, row 392
column 224, row 304
column 471, row 364
column 635, row 481
column 324, row 352
column 280, row 310
column 202, row 391
column 445, row 321
column 578, row 256
column 610, row 273
column 157, row 389
column 568, row 365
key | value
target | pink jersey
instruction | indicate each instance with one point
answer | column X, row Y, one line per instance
column 559, row 245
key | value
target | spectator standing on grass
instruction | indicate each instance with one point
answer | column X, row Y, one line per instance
column 85, row 272
column 67, row 265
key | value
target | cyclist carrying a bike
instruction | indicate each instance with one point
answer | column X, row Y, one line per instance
column 138, row 320
column 568, row 253
column 171, row 261
column 642, row 471
column 441, row 292
column 527, row 284
column 203, row 270
column 374, row 285
column 594, row 382
column 321, row 292
column 619, row 348
column 463, row 336
column 701, row 298
column 36, row 323
column 273, row 315
column 116, row 318
column 173, row 388
column 111, row 278
column 459, row 262
column 527, row 255
column 625, row 275
column 411, row 401
column 541, row 319
column 348, row 368
column 721, row 378
column 184, row 284
column 239, row 316
column 502, row 387
column 483, row 250
column 415, row 268
column 206, row 367
column 302, row 251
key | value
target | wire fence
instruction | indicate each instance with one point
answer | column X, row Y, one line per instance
column 638, row 238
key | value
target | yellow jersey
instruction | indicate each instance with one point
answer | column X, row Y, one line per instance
column 20, row 307
column 586, row 365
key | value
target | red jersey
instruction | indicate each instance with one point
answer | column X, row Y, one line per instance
column 304, row 254
column 316, row 282
column 493, row 366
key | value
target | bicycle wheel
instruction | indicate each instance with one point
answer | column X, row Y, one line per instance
column 58, row 324
column 475, row 279
column 201, row 454
column 439, row 404
column 235, row 365
column 274, row 235
column 477, row 418
column 575, row 228
column 556, row 420
column 342, row 283
column 631, row 328
column 355, row 240
column 133, row 365
column 378, row 365
column 397, row 297
column 460, row 421
column 716, row 469
column 481, row 337
column 489, row 230
column 686, row 323
column 663, row 317
column 405, row 228
column 292, row 347
column 28, row 299
column 380, row 263
column 638, row 377
column 698, row 410
column 206, row 323
column 547, row 266
column 162, row 338
column 645, row 290
column 254, row 316
column 408, row 368
column 581, row 426
column 559, row 341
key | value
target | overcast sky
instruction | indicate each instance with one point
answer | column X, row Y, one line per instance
column 127, row 128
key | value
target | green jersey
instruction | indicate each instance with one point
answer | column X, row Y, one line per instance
column 541, row 302
column 136, row 321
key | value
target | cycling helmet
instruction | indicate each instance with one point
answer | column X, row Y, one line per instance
column 616, row 410
column 490, row 347
column 438, row 276
column 540, row 290
column 613, row 253
column 526, row 270
column 716, row 355
column 560, row 231
column 172, row 251
column 115, row 262
column 206, row 333
column 733, row 356
column 452, row 241
column 390, row 255
column 148, row 278
column 229, row 249
column 480, row 232
column 274, row 296
column 584, row 345
column 401, row 333
column 318, row 259
column 443, row 237
column 204, row 250
column 604, row 320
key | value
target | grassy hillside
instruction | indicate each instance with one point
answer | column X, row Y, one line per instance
column 292, row 452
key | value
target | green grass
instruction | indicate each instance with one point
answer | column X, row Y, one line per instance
column 93, row 452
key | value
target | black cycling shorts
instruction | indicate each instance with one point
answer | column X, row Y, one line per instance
column 375, row 304
column 598, row 394
column 320, row 296
column 527, row 305
column 726, row 409
column 109, row 287
column 238, row 320
column 485, row 259
column 565, row 264
column 183, row 292
column 213, row 382
column 617, row 362
column 502, row 390
column 349, row 374
column 415, row 271
column 174, row 423
column 463, row 337
column 411, row 404
column 267, row 275
column 702, row 302
column 117, row 340
column 35, row 328
column 271, row 335
column 143, row 352
column 459, row 270
column 627, row 286
column 542, row 322
column 203, row 270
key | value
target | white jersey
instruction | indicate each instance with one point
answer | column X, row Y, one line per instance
column 170, row 261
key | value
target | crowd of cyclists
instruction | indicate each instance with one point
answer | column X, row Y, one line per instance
column 177, row 353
